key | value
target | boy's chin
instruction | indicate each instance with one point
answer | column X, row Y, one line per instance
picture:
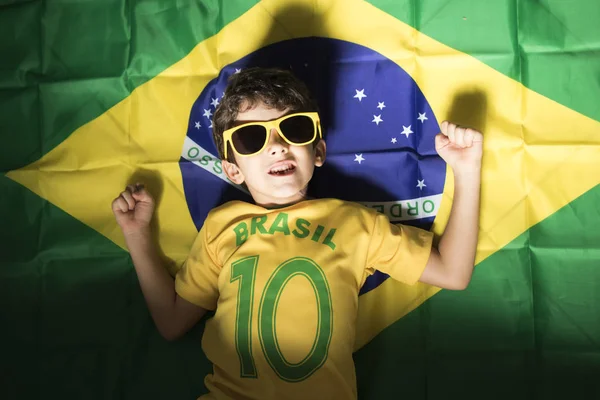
column 280, row 191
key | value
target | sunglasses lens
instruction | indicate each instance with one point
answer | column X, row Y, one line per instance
column 249, row 139
column 298, row 129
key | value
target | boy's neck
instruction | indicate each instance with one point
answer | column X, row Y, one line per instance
column 275, row 203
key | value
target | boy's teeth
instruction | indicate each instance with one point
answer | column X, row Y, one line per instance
column 281, row 169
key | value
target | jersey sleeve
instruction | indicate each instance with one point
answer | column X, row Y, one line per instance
column 400, row 251
column 197, row 280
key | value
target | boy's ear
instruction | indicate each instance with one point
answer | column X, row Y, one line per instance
column 320, row 153
column 233, row 172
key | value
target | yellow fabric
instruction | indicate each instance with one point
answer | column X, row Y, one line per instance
column 328, row 247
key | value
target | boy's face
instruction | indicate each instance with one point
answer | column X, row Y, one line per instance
column 267, row 187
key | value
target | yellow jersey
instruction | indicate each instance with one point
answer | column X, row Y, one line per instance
column 284, row 283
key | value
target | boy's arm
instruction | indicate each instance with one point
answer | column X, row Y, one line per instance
column 450, row 265
column 172, row 315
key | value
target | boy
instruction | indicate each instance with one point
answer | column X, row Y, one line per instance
column 284, row 274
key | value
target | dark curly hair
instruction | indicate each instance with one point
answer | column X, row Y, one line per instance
column 275, row 88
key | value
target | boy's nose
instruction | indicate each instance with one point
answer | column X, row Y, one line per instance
column 276, row 143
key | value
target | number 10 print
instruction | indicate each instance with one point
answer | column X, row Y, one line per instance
column 244, row 270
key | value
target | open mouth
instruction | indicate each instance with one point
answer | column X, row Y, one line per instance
column 282, row 170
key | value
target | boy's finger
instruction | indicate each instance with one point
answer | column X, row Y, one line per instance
column 477, row 136
column 142, row 195
column 441, row 141
column 459, row 136
column 468, row 137
column 129, row 199
column 123, row 206
column 444, row 127
column 119, row 204
column 450, row 132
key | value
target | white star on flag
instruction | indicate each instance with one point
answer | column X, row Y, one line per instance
column 207, row 113
column 214, row 102
column 210, row 126
column 421, row 184
column 359, row 158
column 377, row 119
column 406, row 130
column 197, row 124
column 422, row 117
column 381, row 105
column 238, row 70
column 360, row 94
column 394, row 140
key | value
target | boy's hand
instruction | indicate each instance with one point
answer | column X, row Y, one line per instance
column 460, row 147
column 133, row 209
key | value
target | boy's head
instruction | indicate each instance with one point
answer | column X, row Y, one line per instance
column 275, row 170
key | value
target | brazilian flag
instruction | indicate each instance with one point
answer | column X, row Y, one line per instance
column 95, row 94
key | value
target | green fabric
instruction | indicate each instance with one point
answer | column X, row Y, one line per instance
column 74, row 321
column 527, row 327
column 68, row 61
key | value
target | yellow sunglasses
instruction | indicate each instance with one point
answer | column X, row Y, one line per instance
column 296, row 129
